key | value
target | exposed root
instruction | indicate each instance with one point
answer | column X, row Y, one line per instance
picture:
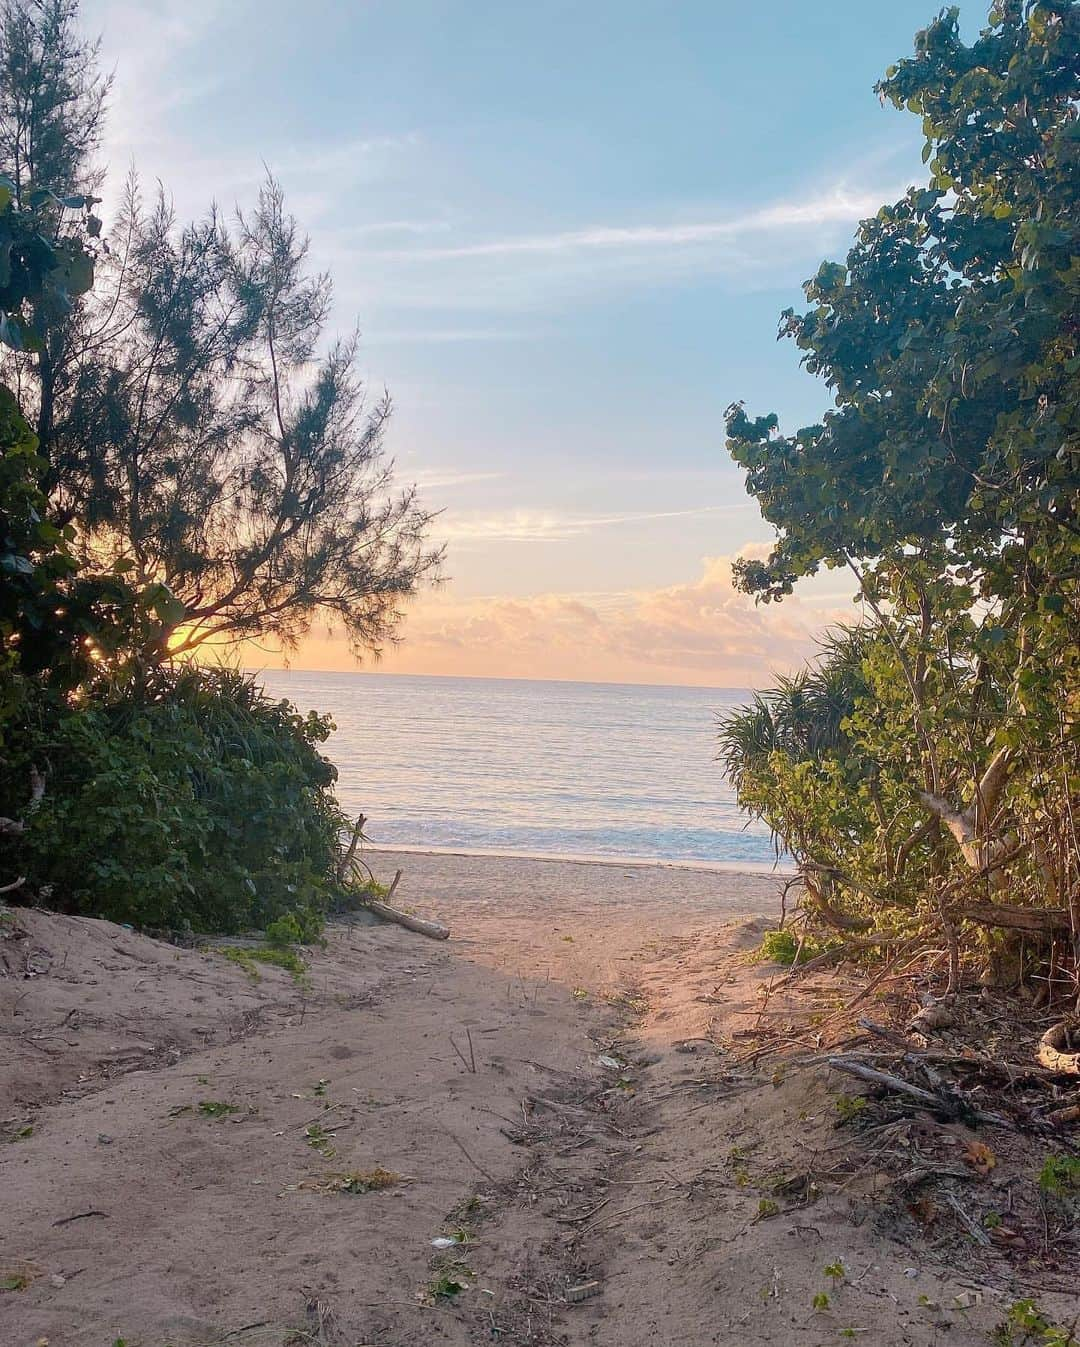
column 1056, row 1051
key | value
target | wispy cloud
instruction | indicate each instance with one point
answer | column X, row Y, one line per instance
column 400, row 246
column 838, row 206
column 532, row 526
column 436, row 478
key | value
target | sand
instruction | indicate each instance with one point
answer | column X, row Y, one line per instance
column 546, row 1085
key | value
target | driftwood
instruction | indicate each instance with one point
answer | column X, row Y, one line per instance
column 1055, row 1049
column 434, row 929
column 952, row 1106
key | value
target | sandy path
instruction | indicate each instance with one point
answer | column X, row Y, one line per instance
column 130, row 1211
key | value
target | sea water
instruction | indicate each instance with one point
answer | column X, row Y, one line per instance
column 539, row 768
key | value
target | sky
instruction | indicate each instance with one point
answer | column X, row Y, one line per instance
column 566, row 232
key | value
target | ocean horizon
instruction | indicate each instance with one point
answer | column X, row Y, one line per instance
column 512, row 766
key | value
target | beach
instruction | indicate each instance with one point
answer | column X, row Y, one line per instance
column 561, row 1094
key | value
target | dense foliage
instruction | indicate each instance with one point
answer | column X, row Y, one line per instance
column 199, row 803
column 948, row 481
column 199, row 431
column 182, row 460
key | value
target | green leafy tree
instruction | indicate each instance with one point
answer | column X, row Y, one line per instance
column 947, row 479
column 200, row 430
column 182, row 459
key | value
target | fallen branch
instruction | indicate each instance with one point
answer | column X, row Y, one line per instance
column 469, row 1063
column 478, row 1167
column 434, row 929
column 832, row 916
column 954, row 1106
column 1055, row 1050
column 889, row 1035
column 980, row 1061
column 883, row 973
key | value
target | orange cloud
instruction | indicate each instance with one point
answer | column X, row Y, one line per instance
column 703, row 632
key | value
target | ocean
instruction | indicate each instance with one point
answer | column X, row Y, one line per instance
column 594, row 770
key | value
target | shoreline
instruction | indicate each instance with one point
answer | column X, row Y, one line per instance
column 756, row 868
column 366, row 673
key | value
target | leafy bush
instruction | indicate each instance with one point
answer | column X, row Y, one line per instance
column 925, row 775
column 787, row 948
column 779, row 947
column 193, row 801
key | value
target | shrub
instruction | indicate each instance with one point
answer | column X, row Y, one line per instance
column 192, row 802
column 779, row 947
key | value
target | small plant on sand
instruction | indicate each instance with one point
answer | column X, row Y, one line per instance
column 352, row 1183
column 286, row 931
column 849, row 1106
column 787, row 948
column 206, row 1108
column 1060, row 1175
column 766, row 1208
column 248, row 958
column 216, row 1108
column 1025, row 1325
column 449, row 1281
column 319, row 1139
column 362, row 1181
column 836, row 1274
column 739, row 1171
